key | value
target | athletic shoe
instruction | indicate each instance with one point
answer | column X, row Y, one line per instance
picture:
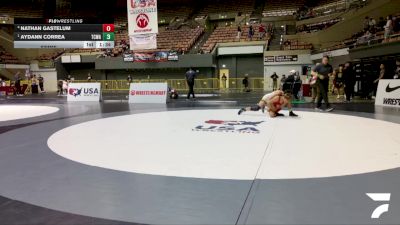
column 291, row 113
column 318, row 109
column 279, row 114
column 330, row 109
column 241, row 111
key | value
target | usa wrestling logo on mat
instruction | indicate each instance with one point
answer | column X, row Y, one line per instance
column 230, row 126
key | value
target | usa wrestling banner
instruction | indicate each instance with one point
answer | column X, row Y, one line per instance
column 143, row 41
column 142, row 17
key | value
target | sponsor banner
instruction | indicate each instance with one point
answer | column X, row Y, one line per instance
column 143, row 41
column 281, row 58
column 269, row 59
column 151, row 57
column 84, row 92
column 128, row 58
column 142, row 17
column 173, row 56
column 148, row 93
column 286, row 58
column 388, row 93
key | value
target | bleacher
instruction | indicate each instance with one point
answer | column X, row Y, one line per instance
column 325, row 7
column 20, row 11
column 50, row 56
column 7, row 58
column 313, row 27
column 359, row 39
column 281, row 7
column 168, row 13
column 179, row 40
column 245, row 7
column 229, row 34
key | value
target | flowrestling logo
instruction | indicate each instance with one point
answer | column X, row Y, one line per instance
column 229, row 126
column 83, row 92
column 381, row 209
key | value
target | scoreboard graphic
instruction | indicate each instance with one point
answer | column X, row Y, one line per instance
column 63, row 33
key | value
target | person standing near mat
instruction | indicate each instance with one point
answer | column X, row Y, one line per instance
column 17, row 85
column 349, row 81
column 41, row 84
column 190, row 77
column 274, row 78
column 323, row 71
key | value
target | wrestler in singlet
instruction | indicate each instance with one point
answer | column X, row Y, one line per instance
column 273, row 102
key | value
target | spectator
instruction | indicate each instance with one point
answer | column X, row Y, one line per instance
column 64, row 87
column 388, row 27
column 245, row 83
column 41, row 83
column 296, row 85
column 286, row 44
column 261, row 31
column 314, row 88
column 397, row 72
column 366, row 23
column 371, row 23
column 69, row 78
column 323, row 71
column 338, row 81
column 190, row 78
column 274, row 78
column 382, row 75
column 349, row 79
column 396, row 23
column 17, row 85
column 59, row 88
column 366, row 38
column 89, row 77
column 223, row 80
column 239, row 33
column 129, row 79
column 251, row 33
column 283, row 80
column 381, row 23
column 34, row 84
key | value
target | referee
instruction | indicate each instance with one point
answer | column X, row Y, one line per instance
column 323, row 71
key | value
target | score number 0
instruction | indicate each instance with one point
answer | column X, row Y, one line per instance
column 108, row 28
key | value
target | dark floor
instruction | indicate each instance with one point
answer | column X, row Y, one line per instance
column 14, row 212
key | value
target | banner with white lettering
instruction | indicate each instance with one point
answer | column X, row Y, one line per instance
column 388, row 93
column 84, row 92
column 148, row 93
column 143, row 41
column 142, row 17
